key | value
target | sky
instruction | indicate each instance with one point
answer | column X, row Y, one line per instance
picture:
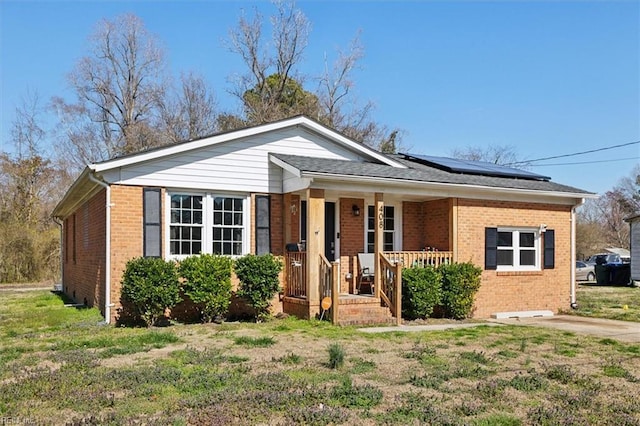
column 546, row 77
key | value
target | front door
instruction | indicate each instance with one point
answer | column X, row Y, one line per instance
column 330, row 231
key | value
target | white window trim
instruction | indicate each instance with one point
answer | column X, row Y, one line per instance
column 516, row 249
column 207, row 221
column 397, row 225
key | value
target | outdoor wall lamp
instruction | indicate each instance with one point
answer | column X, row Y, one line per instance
column 356, row 210
column 294, row 208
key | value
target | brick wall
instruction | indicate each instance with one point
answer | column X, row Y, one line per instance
column 277, row 225
column 547, row 289
column 437, row 224
column 126, row 234
column 351, row 240
column 413, row 227
column 84, row 252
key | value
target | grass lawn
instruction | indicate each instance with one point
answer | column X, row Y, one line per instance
column 58, row 364
column 605, row 301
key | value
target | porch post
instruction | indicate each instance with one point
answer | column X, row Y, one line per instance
column 315, row 246
column 287, row 201
column 453, row 228
column 378, row 246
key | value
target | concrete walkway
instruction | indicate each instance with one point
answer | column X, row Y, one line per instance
column 624, row 331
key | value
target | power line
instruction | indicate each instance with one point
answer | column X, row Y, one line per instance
column 585, row 162
column 528, row 162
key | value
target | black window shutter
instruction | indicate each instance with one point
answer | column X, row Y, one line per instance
column 491, row 248
column 152, row 222
column 263, row 221
column 549, row 249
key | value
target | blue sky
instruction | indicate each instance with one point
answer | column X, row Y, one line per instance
column 547, row 77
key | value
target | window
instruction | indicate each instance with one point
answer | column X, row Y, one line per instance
column 518, row 249
column 227, row 225
column 388, row 232
column 263, row 222
column 185, row 229
column 207, row 223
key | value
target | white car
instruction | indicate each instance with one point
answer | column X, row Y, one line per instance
column 585, row 272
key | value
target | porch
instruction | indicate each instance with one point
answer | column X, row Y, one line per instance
column 381, row 304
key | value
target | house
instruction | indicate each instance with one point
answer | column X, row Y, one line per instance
column 634, row 245
column 299, row 185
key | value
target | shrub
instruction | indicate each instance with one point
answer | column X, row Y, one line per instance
column 421, row 291
column 207, row 283
column 259, row 281
column 151, row 285
column 460, row 282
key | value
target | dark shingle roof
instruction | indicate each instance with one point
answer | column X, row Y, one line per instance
column 417, row 172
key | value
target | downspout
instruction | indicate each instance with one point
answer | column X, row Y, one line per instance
column 574, row 304
column 59, row 223
column 107, row 256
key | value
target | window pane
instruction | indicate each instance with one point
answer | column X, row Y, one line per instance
column 228, row 202
column 371, row 212
column 505, row 239
column 505, row 257
column 217, row 234
column 186, row 216
column 237, row 218
column 226, row 234
column 370, row 237
column 237, row 204
column 196, row 233
column 388, row 211
column 217, row 203
column 174, row 246
column 527, row 239
column 185, row 233
column 217, row 248
column 227, row 219
column 527, row 257
column 237, row 234
column 175, row 216
column 217, row 218
column 175, row 201
column 197, row 203
column 388, row 238
column 237, row 249
column 226, row 248
column 173, row 232
column 197, row 217
column 369, row 248
column 371, row 221
column 388, row 224
column 185, row 248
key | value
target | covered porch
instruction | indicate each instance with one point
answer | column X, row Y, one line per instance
column 325, row 231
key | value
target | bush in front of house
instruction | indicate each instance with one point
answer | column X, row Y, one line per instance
column 207, row 282
column 421, row 291
column 151, row 286
column 460, row 283
column 259, row 281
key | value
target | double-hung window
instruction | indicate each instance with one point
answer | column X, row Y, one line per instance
column 388, row 231
column 228, row 227
column 208, row 223
column 518, row 249
column 186, row 224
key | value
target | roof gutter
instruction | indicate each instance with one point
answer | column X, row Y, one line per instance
column 574, row 304
column 107, row 256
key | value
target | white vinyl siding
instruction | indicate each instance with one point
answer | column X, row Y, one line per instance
column 240, row 165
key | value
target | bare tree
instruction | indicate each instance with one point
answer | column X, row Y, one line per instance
column 190, row 113
column 116, row 88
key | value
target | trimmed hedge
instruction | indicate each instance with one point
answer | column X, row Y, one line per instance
column 460, row 283
column 451, row 288
column 259, row 281
column 421, row 292
column 207, row 282
column 151, row 286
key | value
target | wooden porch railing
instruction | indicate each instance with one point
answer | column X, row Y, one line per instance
column 410, row 259
column 329, row 288
column 296, row 274
column 391, row 286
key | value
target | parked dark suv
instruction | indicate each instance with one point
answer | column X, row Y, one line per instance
column 603, row 258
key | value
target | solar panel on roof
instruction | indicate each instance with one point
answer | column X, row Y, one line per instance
column 481, row 168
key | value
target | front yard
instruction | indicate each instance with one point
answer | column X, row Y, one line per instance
column 57, row 365
column 605, row 301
